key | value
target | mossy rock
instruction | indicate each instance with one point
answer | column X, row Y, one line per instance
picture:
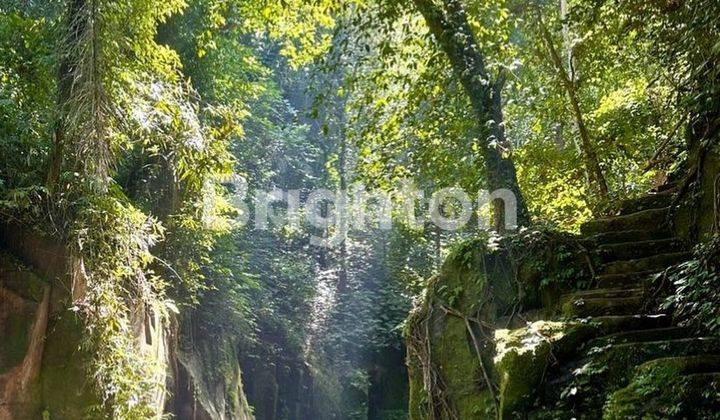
column 487, row 280
column 608, row 369
column 669, row 388
column 68, row 389
column 525, row 355
column 17, row 278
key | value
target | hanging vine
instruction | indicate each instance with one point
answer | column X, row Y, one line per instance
column 419, row 344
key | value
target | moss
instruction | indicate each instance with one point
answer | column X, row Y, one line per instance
column 462, row 285
column 524, row 356
column 488, row 279
column 17, row 278
column 521, row 359
column 460, row 368
column 694, row 218
column 68, row 389
column 417, row 396
column 663, row 389
column 610, row 368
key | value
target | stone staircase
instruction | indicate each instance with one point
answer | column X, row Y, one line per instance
column 598, row 377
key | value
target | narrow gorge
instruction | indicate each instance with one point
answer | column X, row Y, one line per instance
column 359, row 210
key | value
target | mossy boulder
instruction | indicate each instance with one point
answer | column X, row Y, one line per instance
column 524, row 356
column 484, row 285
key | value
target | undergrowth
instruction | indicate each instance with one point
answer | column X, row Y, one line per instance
column 111, row 242
column 693, row 288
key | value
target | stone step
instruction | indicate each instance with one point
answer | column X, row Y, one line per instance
column 641, row 249
column 602, row 293
column 641, row 336
column 646, row 219
column 654, row 263
column 690, row 386
column 572, row 359
column 608, row 368
column 696, row 396
column 686, row 365
column 588, row 329
column 588, row 307
column 707, row 376
column 610, row 324
column 649, row 201
column 621, row 357
column 629, row 236
column 624, row 280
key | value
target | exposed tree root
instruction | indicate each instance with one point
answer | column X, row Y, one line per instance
column 438, row 405
column 492, row 387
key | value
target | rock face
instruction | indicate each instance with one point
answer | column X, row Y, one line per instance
column 205, row 381
column 23, row 324
column 453, row 355
column 593, row 344
column 41, row 353
column 45, row 368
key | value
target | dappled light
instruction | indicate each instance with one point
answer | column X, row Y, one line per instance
column 346, row 209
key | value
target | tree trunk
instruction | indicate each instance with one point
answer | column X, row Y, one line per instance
column 343, row 215
column 76, row 26
column 592, row 165
column 452, row 31
column 438, row 248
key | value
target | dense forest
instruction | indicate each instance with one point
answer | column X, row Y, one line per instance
column 359, row 209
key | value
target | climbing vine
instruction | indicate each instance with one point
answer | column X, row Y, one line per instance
column 437, row 404
column 488, row 283
column 117, row 296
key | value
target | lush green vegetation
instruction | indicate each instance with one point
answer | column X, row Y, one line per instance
column 137, row 132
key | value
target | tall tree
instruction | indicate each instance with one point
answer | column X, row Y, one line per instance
column 570, row 84
column 449, row 25
column 80, row 24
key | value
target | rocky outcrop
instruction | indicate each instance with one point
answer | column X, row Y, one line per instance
column 579, row 337
column 484, row 286
column 205, row 380
column 41, row 353
column 45, row 363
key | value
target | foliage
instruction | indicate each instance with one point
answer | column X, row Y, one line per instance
column 663, row 388
column 410, row 118
column 121, row 121
column 112, row 241
column 26, row 97
column 626, row 109
column 693, row 286
column 683, row 37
